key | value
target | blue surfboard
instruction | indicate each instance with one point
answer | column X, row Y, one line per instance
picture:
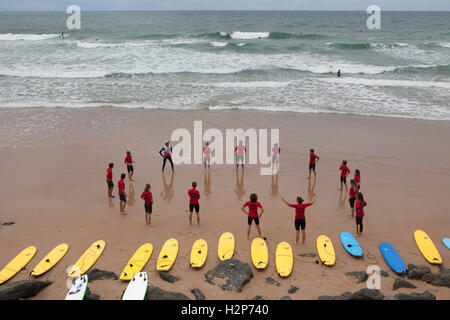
column 392, row 258
column 446, row 242
column 351, row 245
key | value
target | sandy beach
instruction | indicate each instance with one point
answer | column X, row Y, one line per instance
column 53, row 187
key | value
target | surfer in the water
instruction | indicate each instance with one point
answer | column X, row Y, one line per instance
column 300, row 216
column 194, row 195
column 252, row 213
column 166, row 153
column 360, row 204
column 62, row 35
column 339, row 73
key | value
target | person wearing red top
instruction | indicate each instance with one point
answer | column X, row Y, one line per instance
column 194, row 195
column 239, row 152
column 276, row 150
column 207, row 155
column 358, row 178
column 122, row 194
column 148, row 204
column 300, row 216
column 352, row 196
column 313, row 159
column 360, row 204
column 344, row 173
column 109, row 180
column 129, row 162
column 252, row 213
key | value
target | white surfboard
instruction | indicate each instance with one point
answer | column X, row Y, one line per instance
column 137, row 288
column 78, row 289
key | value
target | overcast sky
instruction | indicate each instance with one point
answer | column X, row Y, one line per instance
column 107, row 5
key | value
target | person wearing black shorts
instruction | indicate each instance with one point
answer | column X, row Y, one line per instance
column 109, row 180
column 129, row 162
column 313, row 159
column 194, row 195
column 148, row 204
column 252, row 213
column 300, row 221
column 250, row 221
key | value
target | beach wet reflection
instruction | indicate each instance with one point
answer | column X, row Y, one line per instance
column 240, row 191
column 207, row 184
column 167, row 192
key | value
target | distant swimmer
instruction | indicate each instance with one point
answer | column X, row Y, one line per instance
column 339, row 73
column 62, row 35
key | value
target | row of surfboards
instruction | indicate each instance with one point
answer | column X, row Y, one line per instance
column 226, row 248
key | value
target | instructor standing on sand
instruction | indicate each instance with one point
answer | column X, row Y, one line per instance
column 166, row 153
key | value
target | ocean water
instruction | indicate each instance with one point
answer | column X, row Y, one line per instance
column 273, row 61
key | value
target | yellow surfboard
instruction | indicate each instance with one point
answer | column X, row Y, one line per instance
column 326, row 250
column 167, row 255
column 284, row 259
column 137, row 262
column 50, row 260
column 88, row 259
column 199, row 253
column 427, row 248
column 17, row 264
column 260, row 254
column 225, row 248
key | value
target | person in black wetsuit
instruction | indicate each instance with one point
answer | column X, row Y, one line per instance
column 166, row 153
column 339, row 73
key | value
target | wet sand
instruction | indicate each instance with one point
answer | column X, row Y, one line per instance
column 53, row 187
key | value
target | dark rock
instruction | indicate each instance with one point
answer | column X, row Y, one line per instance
column 8, row 223
column 360, row 275
column 168, row 277
column 443, row 270
column 310, row 255
column 384, row 273
column 416, row 272
column 198, row 294
column 293, row 289
column 363, row 294
column 367, row 294
column 97, row 274
column 402, row 283
column 437, row 279
column 22, row 289
column 270, row 280
column 89, row 295
column 415, row 296
column 155, row 293
column 235, row 273
column 258, row 298
column 345, row 296
column 286, row 298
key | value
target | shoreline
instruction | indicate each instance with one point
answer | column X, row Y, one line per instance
column 156, row 109
column 55, row 192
